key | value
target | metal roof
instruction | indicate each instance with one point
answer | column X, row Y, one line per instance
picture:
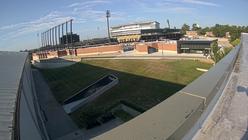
column 135, row 23
column 197, row 41
column 11, row 66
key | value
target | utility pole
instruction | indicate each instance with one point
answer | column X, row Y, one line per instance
column 108, row 16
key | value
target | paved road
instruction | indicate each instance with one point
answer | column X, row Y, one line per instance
column 59, row 124
column 229, row 120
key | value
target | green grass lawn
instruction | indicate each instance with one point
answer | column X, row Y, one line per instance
column 144, row 83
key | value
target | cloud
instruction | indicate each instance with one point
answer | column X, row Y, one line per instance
column 15, row 30
column 81, row 12
column 73, row 5
column 199, row 2
column 88, row 3
column 194, row 2
column 163, row 6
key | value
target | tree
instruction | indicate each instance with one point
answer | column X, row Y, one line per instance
column 235, row 42
column 217, row 54
column 185, row 28
column 203, row 31
column 195, row 27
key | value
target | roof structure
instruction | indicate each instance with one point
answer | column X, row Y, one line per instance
column 11, row 67
column 134, row 23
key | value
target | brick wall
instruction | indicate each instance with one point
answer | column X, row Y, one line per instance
column 107, row 49
column 141, row 48
column 165, row 46
column 62, row 53
column 35, row 56
column 52, row 54
column 161, row 46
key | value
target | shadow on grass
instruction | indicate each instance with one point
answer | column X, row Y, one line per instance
column 141, row 91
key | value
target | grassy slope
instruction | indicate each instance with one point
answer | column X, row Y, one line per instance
column 142, row 82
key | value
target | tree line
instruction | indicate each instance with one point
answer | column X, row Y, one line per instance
column 219, row 31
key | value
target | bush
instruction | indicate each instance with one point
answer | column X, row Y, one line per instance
column 217, row 54
column 92, row 123
column 235, row 42
column 107, row 117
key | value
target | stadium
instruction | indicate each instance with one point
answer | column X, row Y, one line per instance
column 140, row 82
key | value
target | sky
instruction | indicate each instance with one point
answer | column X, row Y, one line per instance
column 23, row 20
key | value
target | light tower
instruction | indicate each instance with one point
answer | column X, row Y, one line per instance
column 168, row 22
column 108, row 16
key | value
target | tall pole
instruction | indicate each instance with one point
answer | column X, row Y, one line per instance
column 38, row 40
column 41, row 39
column 108, row 16
column 62, row 37
column 71, row 31
column 168, row 22
column 56, row 40
column 66, row 28
column 59, row 34
column 47, row 40
column 50, row 35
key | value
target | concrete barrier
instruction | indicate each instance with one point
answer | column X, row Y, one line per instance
column 53, row 63
column 181, row 115
column 89, row 93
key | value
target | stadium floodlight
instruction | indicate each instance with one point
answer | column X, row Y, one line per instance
column 108, row 16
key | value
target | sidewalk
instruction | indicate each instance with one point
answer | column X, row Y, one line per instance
column 229, row 120
column 59, row 125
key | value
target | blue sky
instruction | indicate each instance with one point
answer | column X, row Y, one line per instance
column 22, row 20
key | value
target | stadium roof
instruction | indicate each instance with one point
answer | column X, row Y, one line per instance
column 11, row 67
column 134, row 23
column 198, row 40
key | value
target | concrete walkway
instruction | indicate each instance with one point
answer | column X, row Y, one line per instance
column 134, row 55
column 59, row 125
column 229, row 119
column 91, row 133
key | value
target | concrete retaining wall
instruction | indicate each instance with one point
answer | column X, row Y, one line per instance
column 53, row 63
column 31, row 120
column 181, row 115
column 73, row 106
